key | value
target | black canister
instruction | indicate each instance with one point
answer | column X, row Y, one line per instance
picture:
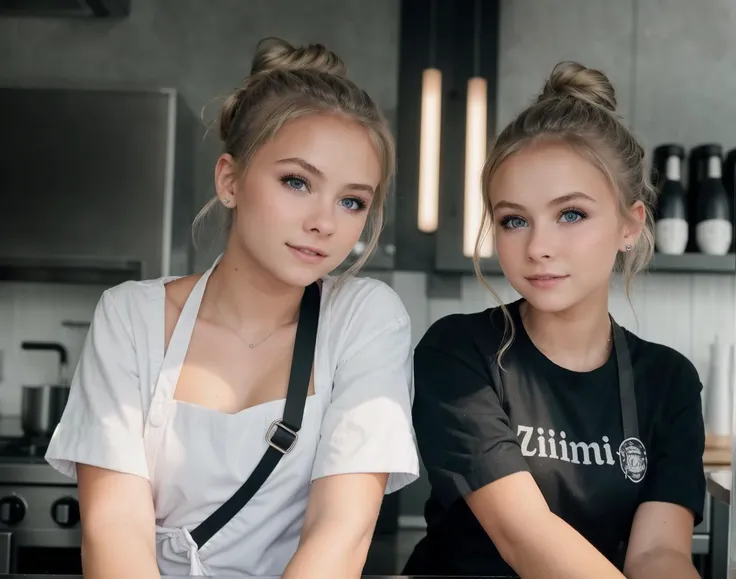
column 671, row 226
column 713, row 221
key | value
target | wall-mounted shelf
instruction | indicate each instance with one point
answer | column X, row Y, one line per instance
column 686, row 263
column 693, row 263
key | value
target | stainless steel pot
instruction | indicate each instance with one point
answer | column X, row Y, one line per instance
column 43, row 405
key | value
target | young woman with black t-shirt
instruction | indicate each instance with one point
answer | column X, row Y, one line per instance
column 559, row 445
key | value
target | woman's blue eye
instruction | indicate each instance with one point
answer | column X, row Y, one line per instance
column 513, row 222
column 295, row 183
column 571, row 216
column 352, row 204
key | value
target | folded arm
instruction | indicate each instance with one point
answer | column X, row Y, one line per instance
column 338, row 527
column 535, row 542
column 118, row 525
column 100, row 439
column 366, row 436
column 660, row 546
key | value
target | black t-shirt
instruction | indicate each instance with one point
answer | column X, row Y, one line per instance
column 564, row 427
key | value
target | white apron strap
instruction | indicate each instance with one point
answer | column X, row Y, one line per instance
column 171, row 366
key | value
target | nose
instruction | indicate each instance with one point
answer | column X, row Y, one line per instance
column 322, row 218
column 540, row 243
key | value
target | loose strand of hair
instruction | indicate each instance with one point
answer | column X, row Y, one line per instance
column 484, row 230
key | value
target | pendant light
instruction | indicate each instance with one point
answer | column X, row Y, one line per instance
column 476, row 123
column 429, row 140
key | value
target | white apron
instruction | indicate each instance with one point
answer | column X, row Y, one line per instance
column 198, row 457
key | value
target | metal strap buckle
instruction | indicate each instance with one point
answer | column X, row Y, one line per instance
column 271, row 432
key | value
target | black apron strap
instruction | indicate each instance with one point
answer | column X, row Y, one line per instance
column 282, row 434
column 632, row 453
column 627, row 393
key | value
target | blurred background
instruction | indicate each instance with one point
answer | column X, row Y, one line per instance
column 105, row 159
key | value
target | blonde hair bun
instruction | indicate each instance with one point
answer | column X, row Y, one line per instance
column 572, row 79
column 274, row 54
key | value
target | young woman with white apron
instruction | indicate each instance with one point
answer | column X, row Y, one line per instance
column 248, row 421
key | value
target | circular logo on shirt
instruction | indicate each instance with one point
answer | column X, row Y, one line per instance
column 633, row 459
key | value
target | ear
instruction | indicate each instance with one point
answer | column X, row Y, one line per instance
column 225, row 180
column 635, row 221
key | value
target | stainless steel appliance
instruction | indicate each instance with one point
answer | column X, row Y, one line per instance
column 42, row 405
column 96, row 184
column 39, row 509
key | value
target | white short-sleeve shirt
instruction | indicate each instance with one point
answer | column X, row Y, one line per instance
column 121, row 415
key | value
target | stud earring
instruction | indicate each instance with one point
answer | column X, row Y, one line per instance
column 226, row 201
column 629, row 247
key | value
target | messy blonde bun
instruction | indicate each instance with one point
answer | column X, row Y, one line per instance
column 288, row 82
column 276, row 54
column 577, row 106
column 571, row 79
column 278, row 61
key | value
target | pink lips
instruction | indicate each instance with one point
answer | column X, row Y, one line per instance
column 307, row 254
column 546, row 281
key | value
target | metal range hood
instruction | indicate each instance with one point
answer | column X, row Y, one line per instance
column 95, row 185
column 65, row 8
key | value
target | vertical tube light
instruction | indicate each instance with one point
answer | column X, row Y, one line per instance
column 476, row 123
column 475, row 155
column 429, row 151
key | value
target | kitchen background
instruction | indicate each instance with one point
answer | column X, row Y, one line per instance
column 672, row 62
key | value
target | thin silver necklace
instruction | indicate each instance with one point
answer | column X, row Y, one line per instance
column 257, row 343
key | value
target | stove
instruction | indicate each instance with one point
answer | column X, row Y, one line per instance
column 39, row 511
column 22, row 461
column 23, row 447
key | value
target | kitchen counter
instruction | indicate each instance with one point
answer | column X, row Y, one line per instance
column 717, row 458
column 719, row 485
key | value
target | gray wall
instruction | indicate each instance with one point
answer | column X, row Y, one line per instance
column 202, row 48
column 673, row 62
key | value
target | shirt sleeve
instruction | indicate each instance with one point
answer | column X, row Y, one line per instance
column 102, row 424
column 676, row 473
column 464, row 435
column 367, row 425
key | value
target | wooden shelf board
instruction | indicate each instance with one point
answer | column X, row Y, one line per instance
column 717, row 457
column 693, row 263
